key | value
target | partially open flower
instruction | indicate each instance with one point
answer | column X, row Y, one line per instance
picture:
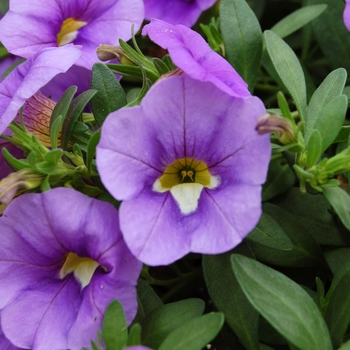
column 63, row 260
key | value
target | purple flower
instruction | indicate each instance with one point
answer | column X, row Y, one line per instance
column 188, row 165
column 79, row 76
column 29, row 77
column 184, row 12
column 190, row 52
column 63, row 260
column 6, row 63
column 5, row 344
column 31, row 26
column 346, row 15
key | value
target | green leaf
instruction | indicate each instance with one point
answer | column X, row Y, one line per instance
column 314, row 212
column 338, row 258
column 147, row 299
column 345, row 346
column 134, row 335
column 114, row 328
column 340, row 201
column 132, row 72
column 288, row 68
column 159, row 323
column 45, row 185
column 297, row 20
column 242, row 37
column 229, row 298
column 53, row 156
column 314, row 149
column 337, row 314
column 280, row 178
column 59, row 114
column 50, row 169
column 194, row 334
column 269, row 233
column 110, row 95
column 330, row 88
column 14, row 163
column 331, row 120
column 305, row 251
column 283, row 303
column 331, row 33
column 74, row 112
column 91, row 149
column 162, row 68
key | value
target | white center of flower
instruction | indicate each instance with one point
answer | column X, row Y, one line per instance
column 83, row 268
column 185, row 179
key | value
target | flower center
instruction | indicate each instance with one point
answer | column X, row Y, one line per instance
column 185, row 179
column 69, row 31
column 83, row 268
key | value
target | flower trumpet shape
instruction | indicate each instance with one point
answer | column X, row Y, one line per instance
column 188, row 165
column 63, row 260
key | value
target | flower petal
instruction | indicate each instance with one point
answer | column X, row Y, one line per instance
column 29, row 77
column 190, row 52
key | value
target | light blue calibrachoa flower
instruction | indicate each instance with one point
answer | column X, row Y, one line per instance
column 30, row 26
column 63, row 260
column 188, row 165
column 184, row 12
column 192, row 54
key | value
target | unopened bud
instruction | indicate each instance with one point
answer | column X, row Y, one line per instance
column 108, row 52
column 281, row 127
column 24, row 178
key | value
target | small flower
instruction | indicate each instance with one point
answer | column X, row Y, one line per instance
column 29, row 77
column 191, row 53
column 188, row 166
column 184, row 12
column 63, row 260
column 26, row 29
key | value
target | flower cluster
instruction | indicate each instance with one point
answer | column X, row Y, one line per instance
column 187, row 163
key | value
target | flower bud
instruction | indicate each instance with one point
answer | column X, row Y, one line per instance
column 24, row 178
column 281, row 127
column 108, row 52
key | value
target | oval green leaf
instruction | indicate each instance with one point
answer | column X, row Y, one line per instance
column 159, row 323
column 195, row 334
column 242, row 38
column 288, row 68
column 283, row 303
